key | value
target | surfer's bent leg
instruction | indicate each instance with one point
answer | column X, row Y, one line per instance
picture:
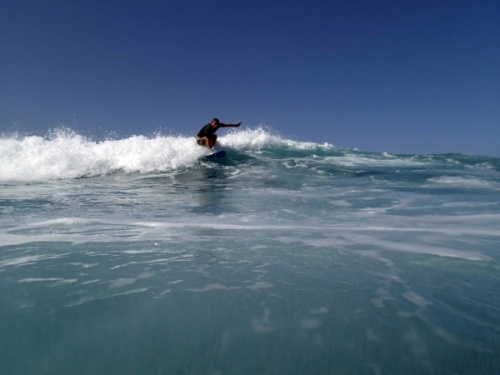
column 207, row 141
column 211, row 140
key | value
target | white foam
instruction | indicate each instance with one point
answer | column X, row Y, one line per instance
column 463, row 182
column 63, row 221
column 260, row 285
column 69, row 155
column 353, row 160
column 209, row 287
column 416, row 299
column 65, row 154
column 122, row 282
column 256, row 138
column 26, row 260
column 39, row 279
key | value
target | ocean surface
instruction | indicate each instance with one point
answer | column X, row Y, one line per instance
column 135, row 256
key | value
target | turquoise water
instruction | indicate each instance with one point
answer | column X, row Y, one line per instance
column 133, row 256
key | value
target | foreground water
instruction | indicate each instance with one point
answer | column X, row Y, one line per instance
column 133, row 256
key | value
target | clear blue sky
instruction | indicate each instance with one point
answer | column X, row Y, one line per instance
column 394, row 76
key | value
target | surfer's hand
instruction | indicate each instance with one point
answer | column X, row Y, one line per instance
column 239, row 123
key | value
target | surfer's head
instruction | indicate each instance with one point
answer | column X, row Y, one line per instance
column 215, row 121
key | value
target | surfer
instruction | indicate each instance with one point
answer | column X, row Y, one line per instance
column 207, row 137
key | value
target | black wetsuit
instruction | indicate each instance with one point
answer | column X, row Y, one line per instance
column 207, row 131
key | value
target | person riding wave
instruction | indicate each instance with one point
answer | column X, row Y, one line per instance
column 207, row 137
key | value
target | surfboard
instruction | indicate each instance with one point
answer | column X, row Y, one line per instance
column 215, row 155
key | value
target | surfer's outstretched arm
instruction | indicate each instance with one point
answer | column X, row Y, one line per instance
column 231, row 125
